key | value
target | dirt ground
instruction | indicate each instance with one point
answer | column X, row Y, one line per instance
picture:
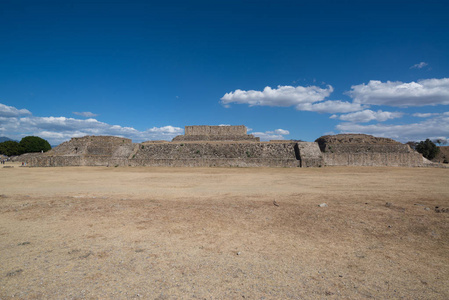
column 224, row 233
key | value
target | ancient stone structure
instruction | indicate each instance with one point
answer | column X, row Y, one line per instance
column 94, row 146
column 85, row 151
column 215, row 130
column 229, row 146
column 366, row 150
column 216, row 133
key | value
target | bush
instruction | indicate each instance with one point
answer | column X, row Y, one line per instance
column 428, row 149
column 34, row 144
column 10, row 148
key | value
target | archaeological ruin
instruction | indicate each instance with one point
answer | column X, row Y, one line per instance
column 229, row 146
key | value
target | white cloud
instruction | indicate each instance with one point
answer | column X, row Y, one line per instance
column 86, row 114
column 10, row 111
column 282, row 131
column 421, row 93
column 437, row 126
column 59, row 129
column 369, row 115
column 419, row 66
column 302, row 98
column 283, row 96
column 166, row 130
column 277, row 134
column 330, row 107
column 425, row 115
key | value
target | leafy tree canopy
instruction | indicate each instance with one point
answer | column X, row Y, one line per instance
column 428, row 149
column 10, row 148
column 34, row 144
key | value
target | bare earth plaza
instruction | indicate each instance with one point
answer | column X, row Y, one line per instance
column 347, row 217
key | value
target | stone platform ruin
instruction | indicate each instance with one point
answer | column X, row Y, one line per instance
column 228, row 146
column 216, row 133
column 366, row 150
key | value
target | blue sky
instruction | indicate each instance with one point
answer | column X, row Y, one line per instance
column 285, row 69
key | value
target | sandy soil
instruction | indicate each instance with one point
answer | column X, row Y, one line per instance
column 215, row 233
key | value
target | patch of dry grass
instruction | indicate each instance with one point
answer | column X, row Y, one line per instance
column 167, row 233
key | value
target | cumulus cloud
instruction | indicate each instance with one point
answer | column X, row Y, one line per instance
column 436, row 126
column 277, row 134
column 282, row 96
column 425, row 115
column 369, row 115
column 10, row 111
column 308, row 98
column 330, row 106
column 60, row 129
column 400, row 94
column 282, row 131
column 86, row 114
column 419, row 66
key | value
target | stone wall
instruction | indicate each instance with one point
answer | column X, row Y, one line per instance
column 84, row 151
column 216, row 150
column 62, row 161
column 309, row 154
column 219, row 154
column 340, row 150
column 354, row 139
column 198, row 138
column 215, row 130
column 374, row 159
column 55, row 161
column 216, row 162
column 92, row 145
column 234, row 154
column 215, row 133
column 366, row 150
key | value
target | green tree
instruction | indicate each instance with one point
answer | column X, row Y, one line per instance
column 34, row 144
column 440, row 142
column 428, row 149
column 10, row 148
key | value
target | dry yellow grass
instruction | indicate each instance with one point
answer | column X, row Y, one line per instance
column 173, row 233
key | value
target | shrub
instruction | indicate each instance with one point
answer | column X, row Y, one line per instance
column 428, row 149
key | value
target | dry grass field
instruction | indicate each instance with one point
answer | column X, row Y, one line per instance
column 216, row 233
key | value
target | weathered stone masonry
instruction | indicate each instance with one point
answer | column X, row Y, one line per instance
column 239, row 130
column 228, row 146
column 216, row 133
column 366, row 150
